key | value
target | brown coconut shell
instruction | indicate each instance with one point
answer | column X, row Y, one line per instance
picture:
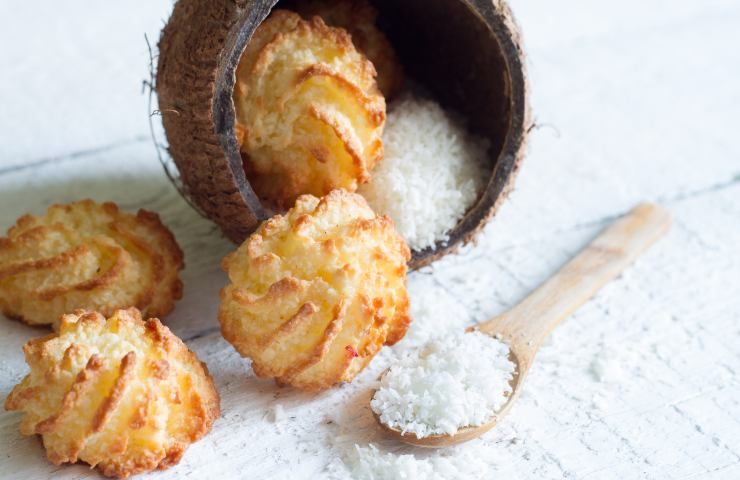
column 467, row 53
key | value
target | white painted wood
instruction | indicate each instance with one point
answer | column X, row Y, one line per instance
column 636, row 101
column 527, row 324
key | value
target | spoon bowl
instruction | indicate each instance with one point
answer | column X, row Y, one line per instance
column 524, row 327
column 463, row 434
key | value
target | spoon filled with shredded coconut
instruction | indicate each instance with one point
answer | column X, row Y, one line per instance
column 455, row 388
column 460, row 380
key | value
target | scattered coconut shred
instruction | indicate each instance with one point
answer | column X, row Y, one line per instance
column 369, row 463
column 452, row 382
column 364, row 452
column 431, row 173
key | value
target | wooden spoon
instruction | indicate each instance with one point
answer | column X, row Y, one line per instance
column 525, row 326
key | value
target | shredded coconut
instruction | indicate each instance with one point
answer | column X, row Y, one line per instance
column 368, row 463
column 277, row 415
column 432, row 171
column 435, row 313
column 449, row 383
column 364, row 452
column 605, row 368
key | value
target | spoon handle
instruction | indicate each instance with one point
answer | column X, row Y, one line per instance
column 526, row 325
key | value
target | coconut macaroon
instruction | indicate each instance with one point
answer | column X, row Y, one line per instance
column 123, row 394
column 309, row 115
column 88, row 255
column 358, row 17
column 316, row 293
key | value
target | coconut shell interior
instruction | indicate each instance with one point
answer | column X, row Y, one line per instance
column 466, row 53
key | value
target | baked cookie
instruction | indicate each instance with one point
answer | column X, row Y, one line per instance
column 309, row 115
column 88, row 255
column 359, row 18
column 316, row 293
column 123, row 394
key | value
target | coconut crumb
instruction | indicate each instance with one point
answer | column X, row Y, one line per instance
column 604, row 368
column 449, row 383
column 277, row 416
column 432, row 171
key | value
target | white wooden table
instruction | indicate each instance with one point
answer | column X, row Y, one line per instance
column 635, row 100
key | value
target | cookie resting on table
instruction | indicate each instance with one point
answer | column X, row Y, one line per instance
column 122, row 394
column 88, row 255
column 316, row 293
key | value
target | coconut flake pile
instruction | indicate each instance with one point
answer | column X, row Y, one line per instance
column 432, row 171
column 369, row 463
column 457, row 381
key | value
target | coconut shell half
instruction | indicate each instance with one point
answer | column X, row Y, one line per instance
column 467, row 53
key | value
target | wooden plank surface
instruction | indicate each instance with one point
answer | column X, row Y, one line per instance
column 634, row 100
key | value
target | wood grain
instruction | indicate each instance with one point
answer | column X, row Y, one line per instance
column 525, row 326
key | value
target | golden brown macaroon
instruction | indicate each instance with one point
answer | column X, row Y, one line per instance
column 309, row 115
column 123, row 394
column 88, row 255
column 316, row 293
column 359, row 18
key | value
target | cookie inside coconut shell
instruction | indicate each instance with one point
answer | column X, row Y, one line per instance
column 467, row 53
